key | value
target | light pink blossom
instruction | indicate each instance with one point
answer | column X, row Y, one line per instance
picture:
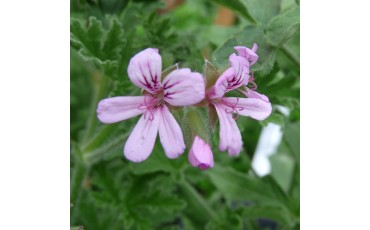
column 229, row 108
column 200, row 154
column 251, row 57
column 180, row 88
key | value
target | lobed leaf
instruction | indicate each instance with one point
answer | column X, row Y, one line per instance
column 263, row 10
column 283, row 27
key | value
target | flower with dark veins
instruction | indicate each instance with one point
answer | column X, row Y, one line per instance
column 180, row 88
column 229, row 108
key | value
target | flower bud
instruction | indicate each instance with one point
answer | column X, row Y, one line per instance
column 200, row 154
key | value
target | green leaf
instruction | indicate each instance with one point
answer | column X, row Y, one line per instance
column 247, row 37
column 291, row 136
column 114, row 41
column 238, row 186
column 107, row 140
column 87, row 41
column 237, row 6
column 282, row 168
column 166, row 202
column 263, row 10
column 197, row 125
column 275, row 118
column 283, row 27
column 268, row 212
column 97, row 45
column 226, row 219
column 157, row 162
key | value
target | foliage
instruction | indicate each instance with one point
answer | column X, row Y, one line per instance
column 109, row 192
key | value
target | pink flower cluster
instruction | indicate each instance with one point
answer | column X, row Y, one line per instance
column 182, row 87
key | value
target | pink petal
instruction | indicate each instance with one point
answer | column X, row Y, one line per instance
column 222, row 84
column 232, row 78
column 230, row 138
column 183, row 87
column 254, row 47
column 140, row 143
column 253, row 94
column 145, row 70
column 116, row 109
column 241, row 68
column 251, row 107
column 249, row 54
column 170, row 134
column 200, row 154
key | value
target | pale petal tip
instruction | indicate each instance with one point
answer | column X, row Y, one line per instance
column 156, row 50
column 255, row 47
column 133, row 158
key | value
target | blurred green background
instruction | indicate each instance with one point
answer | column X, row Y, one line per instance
column 108, row 191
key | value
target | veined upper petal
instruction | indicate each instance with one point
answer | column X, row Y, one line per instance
column 145, row 70
column 222, row 84
column 182, row 87
column 230, row 137
column 241, row 68
column 251, row 107
column 140, row 143
column 170, row 134
column 116, row 109
column 232, row 78
column 249, row 54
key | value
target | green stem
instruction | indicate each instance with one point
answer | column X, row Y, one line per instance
column 80, row 172
column 290, row 54
column 197, row 199
column 92, row 121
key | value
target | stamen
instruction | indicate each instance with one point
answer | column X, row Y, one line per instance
column 234, row 108
column 148, row 106
column 251, row 79
column 253, row 86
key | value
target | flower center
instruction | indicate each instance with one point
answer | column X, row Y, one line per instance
column 232, row 108
column 151, row 103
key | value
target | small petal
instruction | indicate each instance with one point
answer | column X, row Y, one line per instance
column 254, row 47
column 249, row 54
column 170, row 134
column 140, row 143
column 251, row 107
column 254, row 94
column 222, row 84
column 183, row 87
column 230, row 137
column 116, row 109
column 232, row 78
column 200, row 154
column 241, row 68
column 145, row 70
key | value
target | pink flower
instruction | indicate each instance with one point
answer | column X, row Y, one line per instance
column 180, row 88
column 226, row 107
column 200, row 154
column 249, row 54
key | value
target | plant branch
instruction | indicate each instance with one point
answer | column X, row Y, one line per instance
column 197, row 199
